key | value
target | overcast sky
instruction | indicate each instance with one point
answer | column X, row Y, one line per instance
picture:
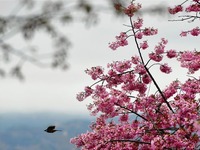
column 46, row 90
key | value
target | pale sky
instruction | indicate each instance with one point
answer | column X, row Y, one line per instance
column 46, row 90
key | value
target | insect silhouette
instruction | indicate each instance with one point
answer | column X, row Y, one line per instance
column 51, row 129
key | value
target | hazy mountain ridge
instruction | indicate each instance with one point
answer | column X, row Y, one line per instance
column 26, row 131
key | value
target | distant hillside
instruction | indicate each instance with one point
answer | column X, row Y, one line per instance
column 26, row 131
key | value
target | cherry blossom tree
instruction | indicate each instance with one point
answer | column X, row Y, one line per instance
column 128, row 114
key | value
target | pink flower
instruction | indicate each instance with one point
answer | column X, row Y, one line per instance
column 144, row 45
column 135, row 59
column 159, row 49
column 121, row 66
column 77, row 141
column 88, row 91
column 122, row 36
column 156, row 142
column 164, row 41
column 131, row 9
column 140, row 69
column 95, row 72
column 150, row 31
column 195, row 31
column 155, row 57
column 139, row 35
column 183, row 33
column 193, row 7
column 171, row 53
column 191, row 87
column 112, row 73
column 187, row 56
column 171, row 89
column 90, row 106
column 146, row 79
column 138, row 23
column 175, row 10
column 190, row 60
column 124, row 118
column 113, row 45
column 80, row 96
column 165, row 68
column 141, row 88
column 121, row 40
column 100, row 91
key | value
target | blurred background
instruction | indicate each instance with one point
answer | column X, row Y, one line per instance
column 45, row 46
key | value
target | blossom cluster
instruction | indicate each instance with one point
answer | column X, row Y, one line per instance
column 131, row 9
column 176, row 9
column 193, row 32
column 190, row 60
column 155, row 128
column 140, row 32
column 193, row 7
column 121, row 40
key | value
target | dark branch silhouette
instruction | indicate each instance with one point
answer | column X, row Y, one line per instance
column 31, row 17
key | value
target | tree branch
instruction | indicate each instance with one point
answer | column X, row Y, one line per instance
column 132, row 111
column 158, row 88
column 134, row 141
column 147, row 68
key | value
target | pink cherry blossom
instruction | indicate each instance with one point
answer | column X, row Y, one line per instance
column 149, row 31
column 195, row 31
column 146, row 79
column 171, row 89
column 131, row 9
column 121, row 40
column 165, row 68
column 155, row 57
column 88, row 91
column 171, row 53
column 95, row 72
column 80, row 96
column 138, row 24
column 175, row 10
column 193, row 7
column 183, row 33
column 121, row 66
column 135, row 59
column 187, row 56
column 190, row 60
column 140, row 69
column 139, row 35
column 123, row 118
column 144, row 45
column 164, row 41
column 160, row 48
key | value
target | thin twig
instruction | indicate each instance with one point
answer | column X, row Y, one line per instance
column 127, row 140
column 132, row 111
